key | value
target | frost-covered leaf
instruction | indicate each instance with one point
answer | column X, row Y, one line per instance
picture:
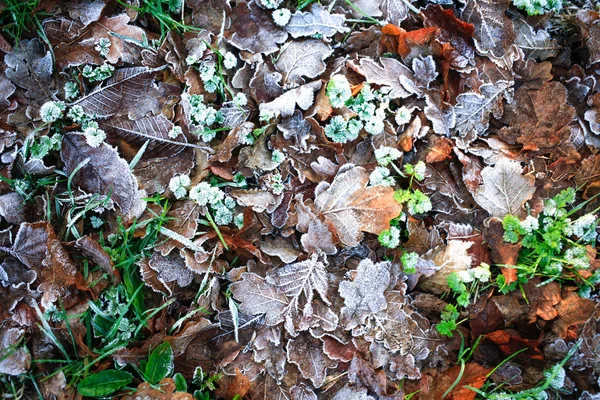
column 171, row 268
column 535, row 44
column 494, row 31
column 352, row 208
column 30, row 244
column 302, row 392
column 151, row 128
column 364, row 296
column 394, row 11
column 14, row 359
column 253, row 29
column 123, row 92
column 317, row 21
column 302, row 58
column 391, row 73
column 318, row 238
column 301, row 278
column 285, row 104
column 473, row 109
column 307, row 353
column 538, row 119
column 425, row 70
column 30, row 67
column 505, row 189
column 296, row 128
column 352, row 392
column 260, row 297
column 104, row 173
column 12, row 208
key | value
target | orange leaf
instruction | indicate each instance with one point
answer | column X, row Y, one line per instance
column 405, row 41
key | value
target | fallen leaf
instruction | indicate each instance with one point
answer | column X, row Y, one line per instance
column 352, row 208
column 317, row 21
column 302, row 58
column 505, row 189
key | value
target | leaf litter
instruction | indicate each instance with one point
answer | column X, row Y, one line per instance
column 391, row 199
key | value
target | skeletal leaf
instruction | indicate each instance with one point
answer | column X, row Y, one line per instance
column 285, row 104
column 104, row 172
column 352, row 208
column 364, row 296
column 122, row 92
column 301, row 278
column 493, row 29
column 302, row 58
column 504, row 190
column 153, row 128
column 317, row 21
column 391, row 73
column 257, row 296
column 307, row 353
column 535, row 44
column 473, row 109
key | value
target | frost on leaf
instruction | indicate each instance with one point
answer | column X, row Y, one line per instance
column 494, row 31
column 137, row 132
column 391, row 73
column 285, row 104
column 538, row 119
column 317, row 21
column 302, row 58
column 30, row 67
column 121, row 93
column 13, row 360
column 253, row 29
column 505, row 189
column 104, row 172
column 352, row 208
column 364, row 296
column 473, row 109
column 535, row 44
column 307, row 353
column 260, row 297
column 301, row 278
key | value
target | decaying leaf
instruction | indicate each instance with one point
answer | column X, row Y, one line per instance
column 538, row 119
column 285, row 104
column 253, row 30
column 307, row 353
column 391, row 73
column 352, row 208
column 505, row 189
column 101, row 170
column 257, row 296
column 302, row 58
column 535, row 44
column 473, row 109
column 363, row 296
column 317, row 21
column 126, row 89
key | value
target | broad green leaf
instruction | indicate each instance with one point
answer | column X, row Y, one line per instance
column 104, row 383
column 160, row 363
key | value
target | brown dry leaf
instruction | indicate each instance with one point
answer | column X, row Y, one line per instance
column 439, row 149
column 538, row 119
column 390, row 73
column 253, row 29
column 453, row 257
column 503, row 253
column 474, row 375
column 352, row 208
column 103, row 173
column 302, row 59
column 573, row 312
column 165, row 390
column 494, row 31
column 81, row 51
column 307, row 353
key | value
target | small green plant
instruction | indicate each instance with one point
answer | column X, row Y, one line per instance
column 464, row 284
column 538, row 7
column 449, row 322
column 164, row 13
column 553, row 243
column 19, row 16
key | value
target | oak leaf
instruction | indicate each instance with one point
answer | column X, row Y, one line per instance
column 317, row 21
